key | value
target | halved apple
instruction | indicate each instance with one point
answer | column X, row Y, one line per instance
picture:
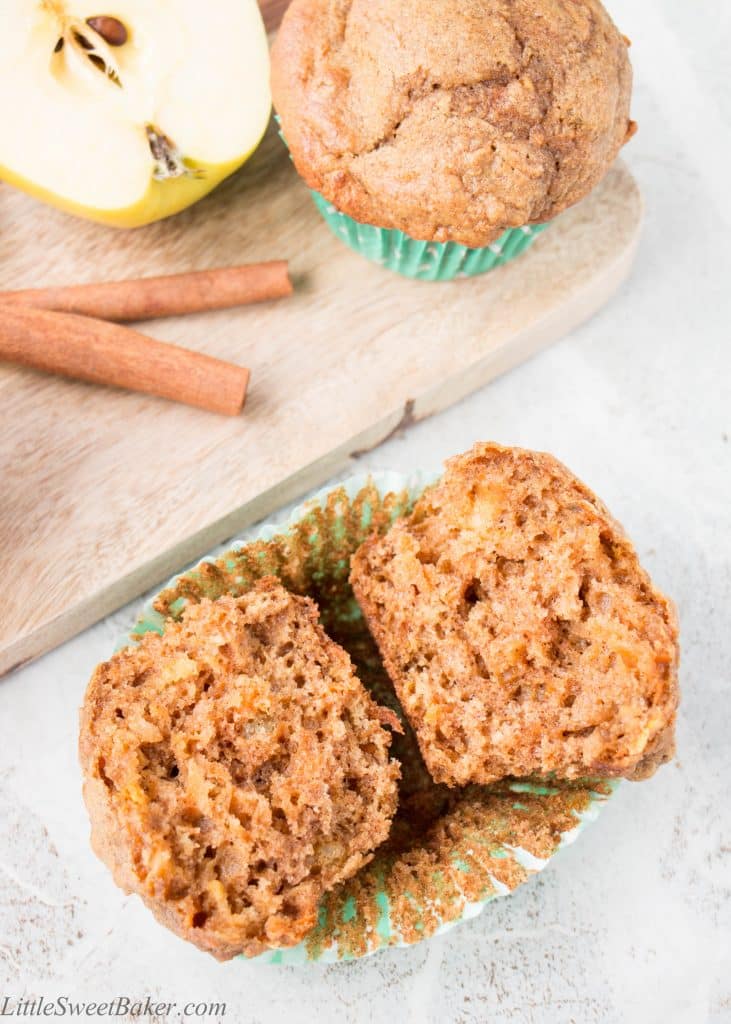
column 128, row 111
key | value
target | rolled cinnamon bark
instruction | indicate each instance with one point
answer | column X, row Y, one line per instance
column 173, row 295
column 106, row 353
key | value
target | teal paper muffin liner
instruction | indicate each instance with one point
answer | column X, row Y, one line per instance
column 424, row 261
column 450, row 852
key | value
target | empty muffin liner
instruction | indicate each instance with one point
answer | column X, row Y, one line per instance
column 450, row 852
column 425, row 261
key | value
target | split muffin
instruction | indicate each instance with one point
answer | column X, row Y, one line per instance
column 521, row 633
column 235, row 770
column 456, row 123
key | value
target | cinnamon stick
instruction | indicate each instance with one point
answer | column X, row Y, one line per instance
column 106, row 353
column 173, row 295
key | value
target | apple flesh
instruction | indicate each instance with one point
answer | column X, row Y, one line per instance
column 129, row 114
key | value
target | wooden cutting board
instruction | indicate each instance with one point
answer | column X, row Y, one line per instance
column 105, row 493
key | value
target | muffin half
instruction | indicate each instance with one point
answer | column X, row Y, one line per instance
column 522, row 635
column 235, row 770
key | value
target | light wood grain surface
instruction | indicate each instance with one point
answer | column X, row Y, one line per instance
column 105, row 492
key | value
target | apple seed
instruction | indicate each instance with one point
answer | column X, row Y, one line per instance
column 110, row 29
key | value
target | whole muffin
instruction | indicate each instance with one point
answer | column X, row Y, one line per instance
column 235, row 770
column 452, row 120
column 522, row 635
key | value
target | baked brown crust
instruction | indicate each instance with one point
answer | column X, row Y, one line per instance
column 452, row 120
column 520, row 631
column 235, row 769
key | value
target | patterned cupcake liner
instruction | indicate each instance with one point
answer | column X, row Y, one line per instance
column 450, row 852
column 424, row 261
column 421, row 261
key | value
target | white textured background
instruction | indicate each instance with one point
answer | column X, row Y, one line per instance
column 634, row 922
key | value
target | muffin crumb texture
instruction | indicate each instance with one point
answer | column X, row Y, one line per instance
column 236, row 770
column 521, row 633
column 452, row 120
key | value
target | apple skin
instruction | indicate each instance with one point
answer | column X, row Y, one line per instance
column 162, row 199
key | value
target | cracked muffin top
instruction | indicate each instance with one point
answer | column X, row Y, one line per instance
column 521, row 633
column 452, row 120
column 235, row 769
